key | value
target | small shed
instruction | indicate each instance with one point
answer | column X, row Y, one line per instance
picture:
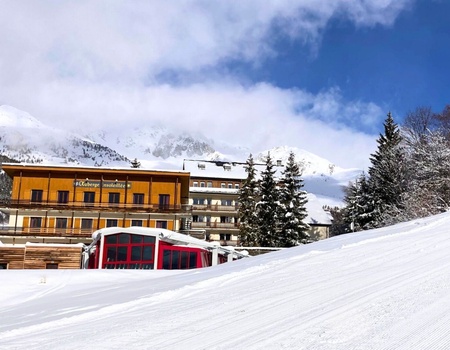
column 40, row 256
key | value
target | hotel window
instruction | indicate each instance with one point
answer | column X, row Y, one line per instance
column 138, row 198
column 164, row 200
column 114, row 197
column 226, row 202
column 86, row 224
column 35, row 222
column 111, row 222
column 195, row 184
column 61, row 223
column 63, row 196
column 36, row 196
column 199, row 201
column 225, row 236
column 226, row 219
column 136, row 223
column 89, row 197
column 161, row 224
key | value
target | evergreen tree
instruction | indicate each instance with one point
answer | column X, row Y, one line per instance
column 267, row 207
column 248, row 221
column 292, row 210
column 135, row 163
column 359, row 204
column 387, row 175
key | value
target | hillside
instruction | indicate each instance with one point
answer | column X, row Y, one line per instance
column 25, row 139
column 379, row 289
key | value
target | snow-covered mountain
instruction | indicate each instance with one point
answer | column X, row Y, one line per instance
column 26, row 139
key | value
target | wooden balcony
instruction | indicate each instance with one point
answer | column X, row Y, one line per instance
column 46, row 232
column 83, row 206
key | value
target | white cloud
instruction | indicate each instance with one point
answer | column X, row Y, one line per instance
column 97, row 63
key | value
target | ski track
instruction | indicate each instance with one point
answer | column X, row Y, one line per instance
column 368, row 294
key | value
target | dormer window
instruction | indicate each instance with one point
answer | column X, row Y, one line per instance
column 227, row 167
column 201, row 166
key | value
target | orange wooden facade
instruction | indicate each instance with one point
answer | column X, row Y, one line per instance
column 66, row 204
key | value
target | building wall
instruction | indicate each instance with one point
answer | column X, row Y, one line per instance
column 163, row 200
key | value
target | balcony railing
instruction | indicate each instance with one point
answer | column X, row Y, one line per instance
column 153, row 207
column 46, row 232
column 215, row 207
column 219, row 225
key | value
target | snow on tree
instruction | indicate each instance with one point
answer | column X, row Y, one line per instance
column 248, row 220
column 268, row 207
column 359, row 210
column 292, row 210
column 387, row 175
column 135, row 163
column 429, row 175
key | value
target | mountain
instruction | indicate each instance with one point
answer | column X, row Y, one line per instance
column 26, row 139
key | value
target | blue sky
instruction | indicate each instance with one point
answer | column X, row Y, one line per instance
column 317, row 75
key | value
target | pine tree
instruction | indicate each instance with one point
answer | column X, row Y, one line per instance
column 248, row 221
column 292, row 210
column 360, row 209
column 387, row 175
column 135, row 163
column 267, row 207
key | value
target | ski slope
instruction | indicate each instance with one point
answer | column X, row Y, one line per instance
column 379, row 289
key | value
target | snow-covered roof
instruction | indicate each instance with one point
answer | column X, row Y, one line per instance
column 223, row 169
column 166, row 236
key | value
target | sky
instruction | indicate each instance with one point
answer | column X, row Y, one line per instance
column 381, row 289
column 317, row 75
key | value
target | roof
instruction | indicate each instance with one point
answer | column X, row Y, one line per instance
column 9, row 168
column 223, row 170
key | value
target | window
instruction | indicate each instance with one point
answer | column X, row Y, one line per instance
column 61, row 223
column 89, row 197
column 226, row 202
column 179, row 258
column 236, row 186
column 197, row 218
column 3, row 266
column 226, row 219
column 63, row 196
column 136, row 222
column 161, row 224
column 209, row 184
column 138, row 198
column 195, row 184
column 36, row 196
column 86, row 224
column 202, row 184
column 114, row 197
column 129, row 251
column 164, row 200
column 35, row 222
column 225, row 236
column 111, row 222
column 230, row 185
column 222, row 185
column 199, row 201
column 51, row 266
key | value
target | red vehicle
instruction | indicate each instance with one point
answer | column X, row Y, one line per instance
column 152, row 248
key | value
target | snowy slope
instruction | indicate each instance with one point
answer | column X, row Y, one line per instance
column 379, row 289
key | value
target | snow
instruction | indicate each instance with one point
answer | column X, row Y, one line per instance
column 379, row 289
